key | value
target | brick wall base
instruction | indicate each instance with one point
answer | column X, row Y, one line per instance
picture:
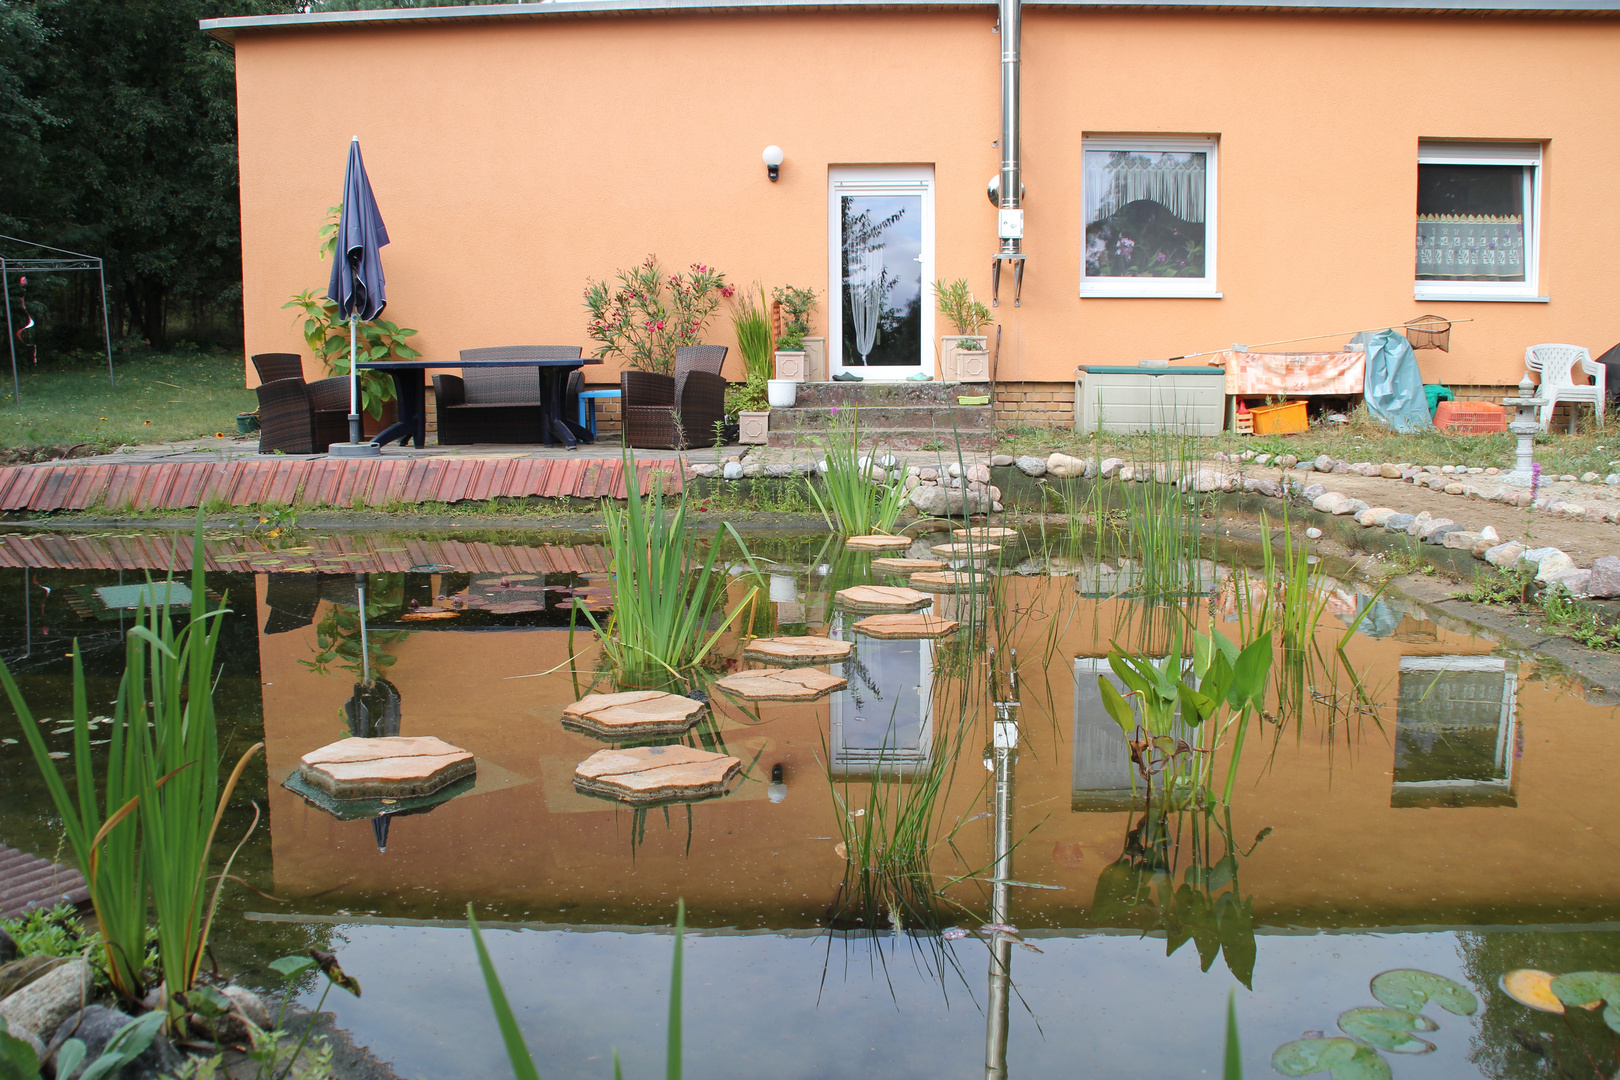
column 1040, row 404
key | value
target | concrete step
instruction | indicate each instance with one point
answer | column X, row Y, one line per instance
column 947, row 441
column 826, row 394
column 927, row 418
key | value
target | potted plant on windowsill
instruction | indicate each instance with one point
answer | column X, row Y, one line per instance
column 793, row 306
column 964, row 357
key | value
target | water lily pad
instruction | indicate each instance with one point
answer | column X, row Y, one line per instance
column 1530, row 987
column 1587, row 988
column 1388, row 1029
column 1345, row 1059
column 1407, row 988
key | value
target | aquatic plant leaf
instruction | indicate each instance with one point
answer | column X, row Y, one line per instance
column 1586, row 989
column 290, row 967
column 1344, row 1059
column 1408, row 988
column 1236, row 922
column 1232, row 1066
column 1196, row 706
column 1203, row 650
column 1249, row 673
column 1118, row 889
column 1117, row 706
column 1533, row 988
column 1388, row 1029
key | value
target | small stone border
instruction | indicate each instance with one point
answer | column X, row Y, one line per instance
column 1553, row 566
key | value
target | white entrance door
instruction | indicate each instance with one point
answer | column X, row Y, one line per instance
column 880, row 246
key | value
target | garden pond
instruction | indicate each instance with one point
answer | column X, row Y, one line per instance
column 1417, row 796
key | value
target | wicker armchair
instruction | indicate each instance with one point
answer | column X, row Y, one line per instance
column 671, row 413
column 296, row 417
column 496, row 405
column 710, row 358
column 278, row 365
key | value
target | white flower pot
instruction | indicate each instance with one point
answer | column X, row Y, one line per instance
column 781, row 393
column 753, row 427
column 957, row 364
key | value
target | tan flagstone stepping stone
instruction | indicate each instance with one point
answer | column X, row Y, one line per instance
column 791, row 651
column 906, row 566
column 901, row 627
column 647, row 774
column 984, row 532
column 881, row 598
column 948, row 581
column 632, row 713
column 976, row 550
column 878, row 543
column 396, row 766
column 781, row 684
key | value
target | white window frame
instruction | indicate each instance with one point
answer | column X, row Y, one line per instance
column 1204, row 287
column 1526, row 155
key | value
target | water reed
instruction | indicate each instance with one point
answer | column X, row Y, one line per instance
column 855, row 503
column 667, row 594
column 143, row 834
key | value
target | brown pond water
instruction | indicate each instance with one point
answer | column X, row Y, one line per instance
column 1432, row 800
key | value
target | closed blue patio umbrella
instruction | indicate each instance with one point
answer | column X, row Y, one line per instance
column 357, row 285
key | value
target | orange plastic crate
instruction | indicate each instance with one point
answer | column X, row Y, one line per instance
column 1470, row 417
column 1284, row 419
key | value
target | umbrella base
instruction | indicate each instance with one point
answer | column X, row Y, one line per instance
column 354, row 450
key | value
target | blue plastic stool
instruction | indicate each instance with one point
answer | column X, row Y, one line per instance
column 587, row 407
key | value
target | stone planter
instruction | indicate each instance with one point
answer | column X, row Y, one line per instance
column 815, row 355
column 752, row 427
column 793, row 365
column 957, row 364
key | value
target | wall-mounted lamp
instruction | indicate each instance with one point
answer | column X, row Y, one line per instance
column 773, row 160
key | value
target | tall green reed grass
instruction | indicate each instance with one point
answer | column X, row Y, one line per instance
column 667, row 593
column 143, row 835
column 855, row 504
column 517, row 1048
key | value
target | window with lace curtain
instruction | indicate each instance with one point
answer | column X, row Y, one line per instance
column 1477, row 211
column 1150, row 217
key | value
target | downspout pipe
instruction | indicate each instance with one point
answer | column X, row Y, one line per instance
column 1009, row 184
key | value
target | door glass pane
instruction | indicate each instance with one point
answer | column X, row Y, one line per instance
column 1145, row 213
column 883, row 286
column 1470, row 224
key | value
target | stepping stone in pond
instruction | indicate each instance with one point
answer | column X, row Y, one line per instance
column 948, row 581
column 396, row 766
column 632, row 714
column 653, row 774
column 984, row 532
column 781, row 684
column 793, row 651
column 882, row 598
column 977, row 550
column 906, row 627
column 906, row 566
column 878, row 543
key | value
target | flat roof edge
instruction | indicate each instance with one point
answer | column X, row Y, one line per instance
column 227, row 29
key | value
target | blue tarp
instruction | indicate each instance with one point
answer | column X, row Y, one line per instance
column 1394, row 386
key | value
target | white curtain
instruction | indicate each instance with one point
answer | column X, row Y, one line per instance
column 866, row 297
column 1114, row 178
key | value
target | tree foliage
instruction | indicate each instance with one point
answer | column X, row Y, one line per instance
column 118, row 136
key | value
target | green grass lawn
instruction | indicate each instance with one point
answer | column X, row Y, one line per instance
column 159, row 397
column 1588, row 450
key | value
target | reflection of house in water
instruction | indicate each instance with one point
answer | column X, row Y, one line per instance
column 884, row 718
column 1455, row 731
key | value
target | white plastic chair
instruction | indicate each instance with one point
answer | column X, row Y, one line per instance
column 1558, row 365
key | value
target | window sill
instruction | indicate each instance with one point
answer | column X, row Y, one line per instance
column 1090, row 293
column 1453, row 296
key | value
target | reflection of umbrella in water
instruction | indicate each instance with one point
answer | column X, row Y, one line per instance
column 373, row 710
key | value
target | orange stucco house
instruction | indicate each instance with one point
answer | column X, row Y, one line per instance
column 1194, row 173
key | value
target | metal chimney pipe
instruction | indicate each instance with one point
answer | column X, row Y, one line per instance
column 1010, row 185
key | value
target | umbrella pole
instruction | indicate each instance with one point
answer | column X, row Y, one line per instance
column 354, row 384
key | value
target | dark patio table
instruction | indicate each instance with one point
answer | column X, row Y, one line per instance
column 410, row 387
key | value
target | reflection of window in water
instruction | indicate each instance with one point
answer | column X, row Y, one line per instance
column 884, row 716
column 1455, row 731
column 1102, row 769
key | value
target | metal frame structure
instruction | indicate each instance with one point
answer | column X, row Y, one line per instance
column 74, row 261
